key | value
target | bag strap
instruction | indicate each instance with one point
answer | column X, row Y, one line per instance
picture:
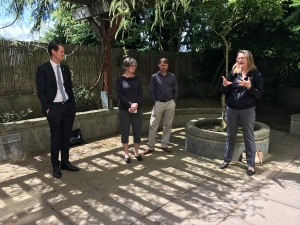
column 258, row 156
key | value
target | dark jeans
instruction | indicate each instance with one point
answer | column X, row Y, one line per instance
column 60, row 118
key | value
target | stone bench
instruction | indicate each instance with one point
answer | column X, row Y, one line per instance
column 17, row 139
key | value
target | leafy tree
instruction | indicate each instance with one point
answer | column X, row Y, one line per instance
column 41, row 9
column 223, row 16
column 143, row 35
column 275, row 39
column 105, row 24
column 68, row 31
column 163, row 23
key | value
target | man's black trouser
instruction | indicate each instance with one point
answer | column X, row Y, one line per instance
column 60, row 118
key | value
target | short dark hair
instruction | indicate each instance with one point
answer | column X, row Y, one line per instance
column 54, row 46
column 128, row 62
column 163, row 60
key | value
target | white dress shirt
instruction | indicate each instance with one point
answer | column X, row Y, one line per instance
column 58, row 97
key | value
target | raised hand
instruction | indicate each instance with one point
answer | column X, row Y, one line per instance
column 225, row 81
column 245, row 83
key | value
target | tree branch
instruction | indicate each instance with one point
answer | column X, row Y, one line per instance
column 17, row 16
column 11, row 23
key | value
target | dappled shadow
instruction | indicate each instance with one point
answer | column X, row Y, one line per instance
column 175, row 188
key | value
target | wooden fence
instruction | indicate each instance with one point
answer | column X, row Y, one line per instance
column 19, row 60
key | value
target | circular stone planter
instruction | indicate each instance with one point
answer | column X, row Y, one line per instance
column 212, row 144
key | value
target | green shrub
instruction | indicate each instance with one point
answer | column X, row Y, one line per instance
column 12, row 116
column 83, row 95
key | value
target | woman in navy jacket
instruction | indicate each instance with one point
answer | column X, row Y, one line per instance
column 242, row 86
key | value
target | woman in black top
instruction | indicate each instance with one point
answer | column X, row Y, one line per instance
column 129, row 89
column 242, row 86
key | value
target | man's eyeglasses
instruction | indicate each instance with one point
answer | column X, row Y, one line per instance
column 133, row 66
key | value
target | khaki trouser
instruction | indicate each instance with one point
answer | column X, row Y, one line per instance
column 167, row 110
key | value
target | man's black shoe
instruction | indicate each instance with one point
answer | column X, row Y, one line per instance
column 56, row 173
column 69, row 167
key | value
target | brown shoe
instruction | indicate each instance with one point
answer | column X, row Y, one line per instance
column 167, row 150
column 148, row 151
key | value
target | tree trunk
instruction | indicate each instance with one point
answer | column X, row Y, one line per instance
column 106, row 33
column 224, row 123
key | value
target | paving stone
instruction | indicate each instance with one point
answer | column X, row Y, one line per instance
column 206, row 164
column 276, row 135
column 177, row 188
column 277, row 161
column 145, row 221
column 236, row 175
column 9, row 171
column 280, row 147
column 258, row 210
column 231, row 220
column 184, row 175
column 145, row 198
column 14, row 194
column 34, row 212
column 295, row 163
column 107, row 211
column 289, row 191
column 186, row 211
column 72, row 199
column 290, row 140
column 220, row 194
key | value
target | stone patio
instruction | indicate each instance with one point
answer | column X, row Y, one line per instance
column 177, row 188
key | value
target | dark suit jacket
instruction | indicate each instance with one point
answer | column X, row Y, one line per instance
column 47, row 87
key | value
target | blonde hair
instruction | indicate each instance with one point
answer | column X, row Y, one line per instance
column 250, row 62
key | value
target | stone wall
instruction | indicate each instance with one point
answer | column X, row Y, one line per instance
column 18, row 139
column 295, row 124
column 24, row 102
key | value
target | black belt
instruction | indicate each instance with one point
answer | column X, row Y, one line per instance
column 61, row 103
column 164, row 100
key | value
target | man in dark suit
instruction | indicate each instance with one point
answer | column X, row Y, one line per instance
column 55, row 93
